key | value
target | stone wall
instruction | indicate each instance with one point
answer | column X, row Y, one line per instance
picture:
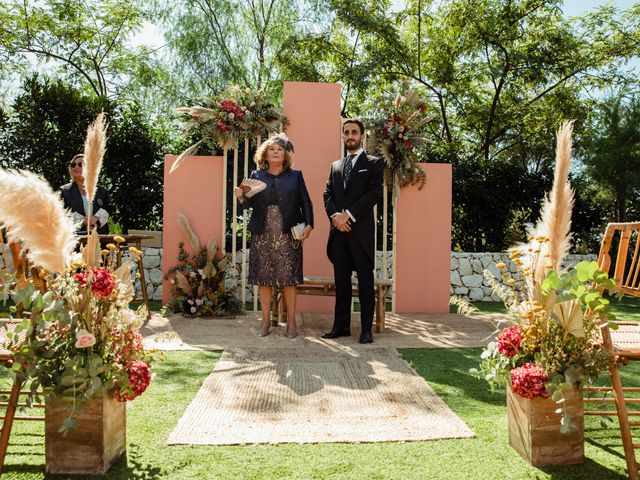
column 466, row 278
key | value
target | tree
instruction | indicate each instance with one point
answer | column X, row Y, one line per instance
column 217, row 43
column 83, row 39
column 613, row 153
column 501, row 74
column 47, row 126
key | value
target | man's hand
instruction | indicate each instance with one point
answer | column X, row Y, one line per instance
column 341, row 221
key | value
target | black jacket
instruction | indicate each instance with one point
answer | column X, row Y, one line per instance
column 73, row 201
column 293, row 200
column 361, row 193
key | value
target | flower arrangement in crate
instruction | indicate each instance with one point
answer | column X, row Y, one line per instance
column 395, row 136
column 551, row 343
column 80, row 340
column 198, row 279
column 227, row 117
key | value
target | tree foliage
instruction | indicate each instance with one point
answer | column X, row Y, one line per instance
column 613, row 159
column 47, row 125
column 217, row 43
column 84, row 40
column 501, row 75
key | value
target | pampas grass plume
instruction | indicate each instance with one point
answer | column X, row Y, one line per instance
column 187, row 153
column 94, row 147
column 34, row 214
column 555, row 216
column 190, row 235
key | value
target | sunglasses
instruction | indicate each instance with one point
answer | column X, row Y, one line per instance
column 76, row 164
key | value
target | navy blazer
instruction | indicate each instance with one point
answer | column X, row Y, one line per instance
column 293, row 200
column 73, row 201
column 361, row 193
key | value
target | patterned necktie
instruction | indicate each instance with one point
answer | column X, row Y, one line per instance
column 348, row 166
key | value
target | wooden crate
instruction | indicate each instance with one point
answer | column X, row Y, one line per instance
column 534, row 429
column 97, row 442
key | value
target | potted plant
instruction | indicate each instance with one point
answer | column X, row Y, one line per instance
column 550, row 346
column 80, row 344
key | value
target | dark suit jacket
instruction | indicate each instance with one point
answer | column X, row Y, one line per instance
column 293, row 200
column 73, row 200
column 361, row 193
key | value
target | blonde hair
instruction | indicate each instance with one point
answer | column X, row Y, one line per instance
column 73, row 160
column 261, row 155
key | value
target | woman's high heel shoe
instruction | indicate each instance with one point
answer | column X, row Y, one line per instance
column 263, row 332
column 291, row 335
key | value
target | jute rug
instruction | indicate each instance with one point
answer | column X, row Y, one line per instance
column 312, row 394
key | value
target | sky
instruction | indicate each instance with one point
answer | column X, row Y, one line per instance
column 151, row 34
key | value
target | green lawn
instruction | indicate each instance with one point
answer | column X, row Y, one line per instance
column 152, row 416
column 626, row 309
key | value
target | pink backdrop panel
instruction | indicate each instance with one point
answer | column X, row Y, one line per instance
column 194, row 189
column 313, row 110
column 423, row 247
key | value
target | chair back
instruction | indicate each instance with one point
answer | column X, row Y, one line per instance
column 620, row 256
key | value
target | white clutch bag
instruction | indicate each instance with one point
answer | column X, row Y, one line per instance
column 296, row 230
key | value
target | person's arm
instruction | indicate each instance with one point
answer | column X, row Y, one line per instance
column 307, row 206
column 101, row 216
column 328, row 196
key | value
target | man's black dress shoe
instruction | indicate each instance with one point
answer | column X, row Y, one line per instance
column 336, row 334
column 365, row 337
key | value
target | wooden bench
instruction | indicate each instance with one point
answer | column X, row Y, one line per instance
column 326, row 286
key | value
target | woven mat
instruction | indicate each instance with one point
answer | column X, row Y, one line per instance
column 314, row 395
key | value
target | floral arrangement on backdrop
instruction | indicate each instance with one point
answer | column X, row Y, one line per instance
column 198, row 279
column 80, row 340
column 551, row 343
column 395, row 136
column 225, row 118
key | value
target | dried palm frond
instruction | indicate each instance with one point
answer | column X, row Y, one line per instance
column 187, row 153
column 212, row 248
column 552, row 234
column 91, row 251
column 183, row 283
column 190, row 235
column 94, row 146
column 35, row 215
column 123, row 273
column 412, row 97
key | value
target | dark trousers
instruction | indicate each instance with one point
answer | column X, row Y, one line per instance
column 348, row 255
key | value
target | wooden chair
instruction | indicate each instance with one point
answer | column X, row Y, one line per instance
column 18, row 269
column 620, row 257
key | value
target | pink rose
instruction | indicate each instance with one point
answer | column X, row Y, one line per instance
column 84, row 339
column 127, row 316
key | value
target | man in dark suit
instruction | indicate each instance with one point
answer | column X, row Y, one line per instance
column 353, row 189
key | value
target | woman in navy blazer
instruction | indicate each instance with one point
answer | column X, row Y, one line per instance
column 75, row 199
column 276, row 257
